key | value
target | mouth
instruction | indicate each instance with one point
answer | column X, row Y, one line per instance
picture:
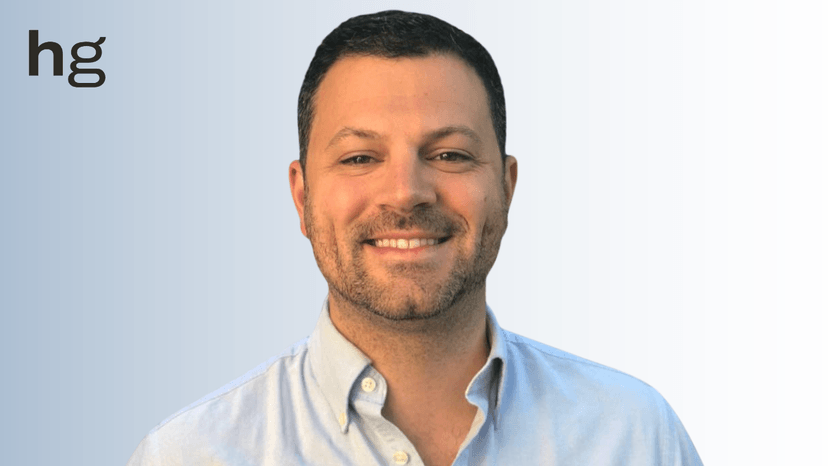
column 406, row 243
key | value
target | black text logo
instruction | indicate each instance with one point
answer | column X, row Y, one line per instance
column 57, row 59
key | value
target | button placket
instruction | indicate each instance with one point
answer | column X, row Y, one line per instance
column 368, row 394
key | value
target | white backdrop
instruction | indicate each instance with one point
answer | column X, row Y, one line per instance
column 670, row 218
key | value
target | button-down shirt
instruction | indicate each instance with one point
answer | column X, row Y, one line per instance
column 320, row 403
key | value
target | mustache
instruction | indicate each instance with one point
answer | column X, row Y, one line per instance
column 427, row 219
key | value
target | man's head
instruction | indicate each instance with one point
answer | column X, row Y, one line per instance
column 404, row 189
column 399, row 34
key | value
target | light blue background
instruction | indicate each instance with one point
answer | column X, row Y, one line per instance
column 670, row 219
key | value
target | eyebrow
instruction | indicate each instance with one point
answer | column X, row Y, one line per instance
column 347, row 132
column 449, row 130
column 432, row 136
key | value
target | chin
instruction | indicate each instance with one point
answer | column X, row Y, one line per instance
column 406, row 307
column 414, row 304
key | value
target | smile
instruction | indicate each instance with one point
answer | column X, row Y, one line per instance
column 403, row 243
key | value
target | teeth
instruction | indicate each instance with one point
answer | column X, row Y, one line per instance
column 404, row 243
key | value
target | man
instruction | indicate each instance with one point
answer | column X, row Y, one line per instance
column 403, row 187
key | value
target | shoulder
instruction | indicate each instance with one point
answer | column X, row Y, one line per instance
column 237, row 408
column 578, row 382
column 608, row 414
column 279, row 372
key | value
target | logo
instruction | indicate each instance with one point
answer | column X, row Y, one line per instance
column 35, row 48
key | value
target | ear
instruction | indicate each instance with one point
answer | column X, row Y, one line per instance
column 510, row 173
column 297, row 191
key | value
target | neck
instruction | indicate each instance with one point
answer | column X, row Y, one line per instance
column 427, row 364
column 414, row 349
column 439, row 355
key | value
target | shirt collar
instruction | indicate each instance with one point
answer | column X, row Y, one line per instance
column 486, row 388
column 337, row 363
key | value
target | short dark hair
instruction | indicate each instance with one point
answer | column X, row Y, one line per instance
column 395, row 34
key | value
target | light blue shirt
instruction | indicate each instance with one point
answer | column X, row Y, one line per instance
column 320, row 403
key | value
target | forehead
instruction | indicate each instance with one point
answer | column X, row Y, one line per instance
column 400, row 97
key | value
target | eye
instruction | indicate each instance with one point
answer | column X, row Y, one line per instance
column 361, row 159
column 452, row 157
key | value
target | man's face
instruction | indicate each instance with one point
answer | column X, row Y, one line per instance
column 404, row 195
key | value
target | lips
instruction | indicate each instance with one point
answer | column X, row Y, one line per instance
column 406, row 243
column 422, row 229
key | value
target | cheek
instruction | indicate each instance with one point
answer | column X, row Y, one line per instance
column 472, row 201
column 343, row 202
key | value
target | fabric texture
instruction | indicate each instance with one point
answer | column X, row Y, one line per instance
column 320, row 403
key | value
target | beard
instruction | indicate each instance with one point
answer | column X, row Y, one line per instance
column 409, row 291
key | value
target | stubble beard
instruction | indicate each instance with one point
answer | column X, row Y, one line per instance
column 344, row 268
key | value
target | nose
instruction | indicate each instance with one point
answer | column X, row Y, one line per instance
column 407, row 183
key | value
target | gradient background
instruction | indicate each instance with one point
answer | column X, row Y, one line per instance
column 670, row 219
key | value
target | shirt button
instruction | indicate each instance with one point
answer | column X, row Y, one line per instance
column 342, row 419
column 368, row 384
column 400, row 457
